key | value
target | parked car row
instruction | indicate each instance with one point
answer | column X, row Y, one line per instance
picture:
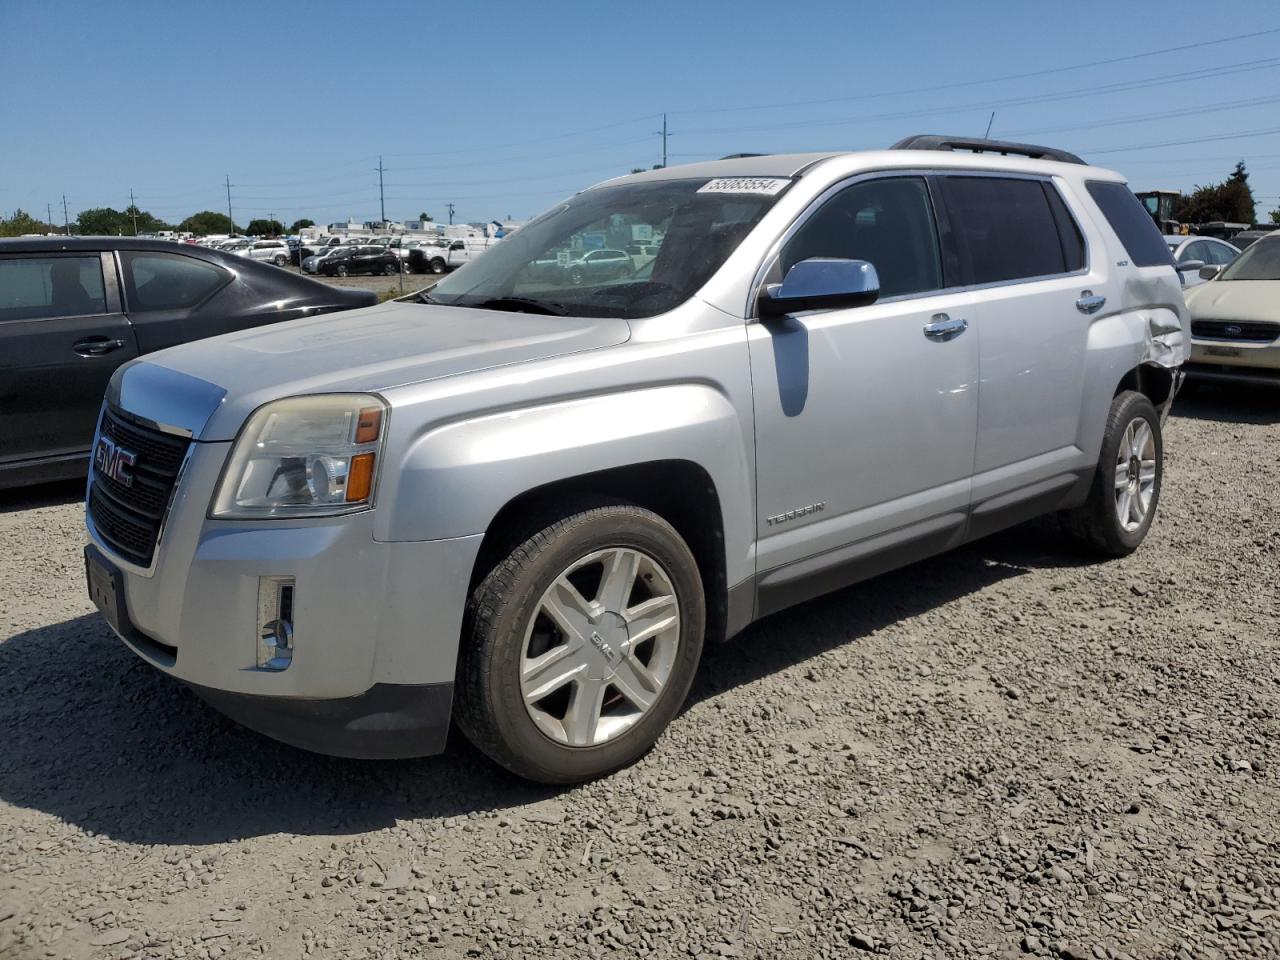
column 73, row 310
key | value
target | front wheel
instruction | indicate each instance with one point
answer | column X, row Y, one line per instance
column 437, row 266
column 1122, row 501
column 340, row 271
column 581, row 644
column 390, row 270
column 280, row 260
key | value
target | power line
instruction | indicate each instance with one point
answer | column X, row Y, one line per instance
column 974, row 83
column 1178, row 143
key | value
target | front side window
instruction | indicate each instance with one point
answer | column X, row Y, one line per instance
column 1004, row 227
column 1260, row 262
column 1222, row 253
column 34, row 288
column 163, row 281
column 887, row 222
column 544, row 267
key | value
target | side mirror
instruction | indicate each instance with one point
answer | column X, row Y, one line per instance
column 821, row 283
column 1210, row 270
column 1186, row 266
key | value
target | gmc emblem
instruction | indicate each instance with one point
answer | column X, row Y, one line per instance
column 114, row 462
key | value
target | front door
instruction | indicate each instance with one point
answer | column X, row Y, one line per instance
column 866, row 417
column 62, row 335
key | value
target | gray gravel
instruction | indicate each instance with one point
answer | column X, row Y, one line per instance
column 1003, row 752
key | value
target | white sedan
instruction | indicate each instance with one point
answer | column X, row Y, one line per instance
column 1197, row 252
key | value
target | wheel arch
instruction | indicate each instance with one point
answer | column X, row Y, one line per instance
column 679, row 491
column 1152, row 380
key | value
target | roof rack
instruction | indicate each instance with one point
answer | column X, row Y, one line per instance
column 743, row 156
column 929, row 141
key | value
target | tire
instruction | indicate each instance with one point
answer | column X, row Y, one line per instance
column 280, row 260
column 623, row 273
column 1132, row 442
column 506, row 621
column 340, row 270
column 390, row 270
column 437, row 266
column 576, row 277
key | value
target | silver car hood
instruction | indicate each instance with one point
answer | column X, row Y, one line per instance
column 209, row 387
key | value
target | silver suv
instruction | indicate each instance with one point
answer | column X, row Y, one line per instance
column 524, row 503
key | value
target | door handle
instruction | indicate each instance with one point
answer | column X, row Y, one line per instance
column 96, row 346
column 1090, row 302
column 942, row 327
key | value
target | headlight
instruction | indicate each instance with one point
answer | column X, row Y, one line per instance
column 304, row 457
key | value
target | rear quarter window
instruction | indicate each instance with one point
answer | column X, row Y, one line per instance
column 1132, row 224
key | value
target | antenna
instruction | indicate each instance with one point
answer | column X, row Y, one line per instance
column 987, row 135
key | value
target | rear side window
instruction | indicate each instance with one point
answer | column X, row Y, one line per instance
column 35, row 288
column 1131, row 223
column 1005, row 228
column 887, row 222
column 163, row 281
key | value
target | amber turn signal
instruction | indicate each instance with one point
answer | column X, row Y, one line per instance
column 368, row 425
column 360, row 478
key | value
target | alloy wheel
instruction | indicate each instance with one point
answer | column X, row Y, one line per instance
column 600, row 647
column 1135, row 478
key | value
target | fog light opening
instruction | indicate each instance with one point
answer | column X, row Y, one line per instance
column 275, row 622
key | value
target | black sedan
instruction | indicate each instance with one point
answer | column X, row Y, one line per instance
column 73, row 309
column 360, row 260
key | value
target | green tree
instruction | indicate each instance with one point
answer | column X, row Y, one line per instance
column 425, row 217
column 1275, row 215
column 1231, row 200
column 299, row 224
column 22, row 222
column 206, row 222
column 103, row 222
column 264, row 228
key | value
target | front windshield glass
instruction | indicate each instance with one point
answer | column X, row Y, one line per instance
column 545, row 267
column 1261, row 261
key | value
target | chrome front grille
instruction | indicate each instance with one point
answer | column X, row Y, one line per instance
column 128, row 516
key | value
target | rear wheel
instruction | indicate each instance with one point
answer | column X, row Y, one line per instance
column 280, row 260
column 340, row 269
column 437, row 265
column 1122, row 501
column 390, row 270
column 581, row 644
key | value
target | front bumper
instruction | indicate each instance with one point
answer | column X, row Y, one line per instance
column 1234, row 360
column 376, row 624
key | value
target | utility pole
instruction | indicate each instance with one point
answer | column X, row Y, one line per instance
column 663, row 134
column 229, row 218
column 451, row 214
column 48, row 215
column 66, row 222
column 133, row 209
column 382, row 201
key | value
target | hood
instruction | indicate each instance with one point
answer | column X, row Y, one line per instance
column 368, row 350
column 1248, row 300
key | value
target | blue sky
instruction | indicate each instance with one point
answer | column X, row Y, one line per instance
column 502, row 108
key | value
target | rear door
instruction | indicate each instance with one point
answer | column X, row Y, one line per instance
column 62, row 335
column 1023, row 254
column 167, row 296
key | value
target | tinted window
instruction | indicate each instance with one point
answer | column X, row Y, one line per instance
column 887, row 222
column 1131, row 222
column 1199, row 250
column 1068, row 230
column 38, row 287
column 160, row 281
column 1005, row 228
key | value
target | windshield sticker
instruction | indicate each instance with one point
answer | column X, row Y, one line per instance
column 767, row 186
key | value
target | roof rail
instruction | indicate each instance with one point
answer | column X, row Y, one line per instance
column 743, row 156
column 928, row 141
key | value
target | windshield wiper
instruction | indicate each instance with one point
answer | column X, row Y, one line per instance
column 524, row 305
column 423, row 297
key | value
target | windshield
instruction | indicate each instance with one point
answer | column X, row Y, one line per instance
column 1261, row 261
column 546, row 264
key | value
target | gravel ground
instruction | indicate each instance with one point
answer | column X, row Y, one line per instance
column 1001, row 752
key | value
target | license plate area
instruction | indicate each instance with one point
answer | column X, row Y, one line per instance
column 106, row 588
column 1216, row 351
